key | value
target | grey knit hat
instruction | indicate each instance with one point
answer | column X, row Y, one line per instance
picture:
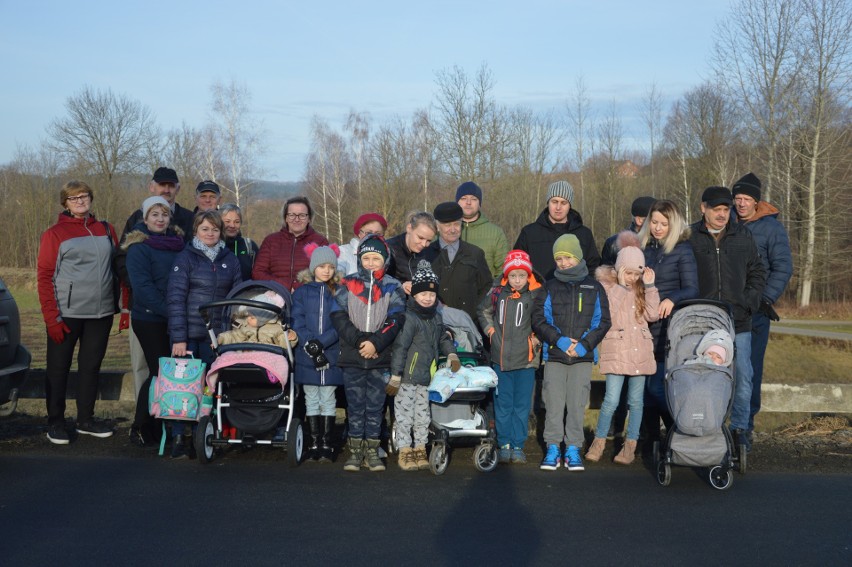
column 561, row 189
column 323, row 255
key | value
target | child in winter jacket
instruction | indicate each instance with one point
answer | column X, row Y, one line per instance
column 316, row 361
column 627, row 351
column 414, row 356
column 505, row 315
column 571, row 316
column 368, row 314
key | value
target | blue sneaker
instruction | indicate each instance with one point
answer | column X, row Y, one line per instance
column 551, row 459
column 504, row 454
column 573, row 462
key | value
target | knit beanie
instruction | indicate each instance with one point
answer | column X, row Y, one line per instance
column 641, row 206
column 373, row 244
column 567, row 245
column 368, row 218
column 720, row 350
column 150, row 202
column 749, row 185
column 264, row 316
column 630, row 258
column 468, row 188
column 424, row 279
column 517, row 260
column 320, row 255
column 717, row 337
column 561, row 189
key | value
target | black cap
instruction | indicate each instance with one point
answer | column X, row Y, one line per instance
column 715, row 196
column 748, row 184
column 207, row 186
column 165, row 175
column 448, row 212
column 641, row 206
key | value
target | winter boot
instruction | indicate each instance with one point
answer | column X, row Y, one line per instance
column 326, row 450
column 420, row 458
column 596, row 450
column 371, row 455
column 179, row 447
column 356, row 455
column 316, row 431
column 406, row 459
column 627, row 454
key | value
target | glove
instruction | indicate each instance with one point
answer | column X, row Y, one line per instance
column 124, row 321
column 454, row 362
column 57, row 331
column 392, row 386
column 313, row 347
column 767, row 309
column 321, row 361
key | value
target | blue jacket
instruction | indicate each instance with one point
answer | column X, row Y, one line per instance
column 311, row 319
column 774, row 247
column 574, row 310
column 676, row 278
column 148, row 270
column 195, row 280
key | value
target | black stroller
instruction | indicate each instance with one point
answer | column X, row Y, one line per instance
column 699, row 397
column 250, row 400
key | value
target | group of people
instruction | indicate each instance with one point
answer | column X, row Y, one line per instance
column 367, row 315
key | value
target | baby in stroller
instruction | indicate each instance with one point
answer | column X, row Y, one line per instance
column 255, row 325
column 716, row 347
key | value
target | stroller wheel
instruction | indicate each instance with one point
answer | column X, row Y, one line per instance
column 721, row 478
column 664, row 473
column 295, row 442
column 438, row 458
column 742, row 458
column 485, row 457
column 203, row 440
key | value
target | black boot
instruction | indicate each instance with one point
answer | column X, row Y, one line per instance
column 326, row 451
column 314, row 425
column 179, row 447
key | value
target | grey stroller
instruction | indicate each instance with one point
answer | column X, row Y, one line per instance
column 699, row 397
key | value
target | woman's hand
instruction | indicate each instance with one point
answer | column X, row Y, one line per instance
column 406, row 286
column 666, row 307
column 179, row 349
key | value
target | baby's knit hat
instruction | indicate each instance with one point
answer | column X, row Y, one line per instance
column 264, row 316
column 720, row 350
column 567, row 245
column 424, row 279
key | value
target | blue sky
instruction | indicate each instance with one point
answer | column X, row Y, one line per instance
column 328, row 57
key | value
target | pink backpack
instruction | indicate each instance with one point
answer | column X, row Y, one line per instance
column 176, row 391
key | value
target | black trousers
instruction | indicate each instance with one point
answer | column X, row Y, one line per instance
column 154, row 340
column 92, row 334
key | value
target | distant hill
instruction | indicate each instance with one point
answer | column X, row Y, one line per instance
column 276, row 189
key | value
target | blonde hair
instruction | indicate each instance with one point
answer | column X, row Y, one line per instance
column 678, row 229
column 74, row 188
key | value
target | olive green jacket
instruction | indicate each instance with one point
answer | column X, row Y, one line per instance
column 491, row 238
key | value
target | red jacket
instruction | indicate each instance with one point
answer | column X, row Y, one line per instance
column 282, row 256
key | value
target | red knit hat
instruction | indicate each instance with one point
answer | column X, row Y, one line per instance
column 369, row 217
column 517, row 260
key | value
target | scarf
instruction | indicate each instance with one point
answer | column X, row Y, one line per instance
column 420, row 311
column 575, row 274
column 171, row 242
column 210, row 251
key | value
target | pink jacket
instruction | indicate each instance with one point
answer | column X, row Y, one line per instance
column 628, row 347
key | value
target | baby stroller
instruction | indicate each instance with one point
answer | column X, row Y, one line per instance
column 462, row 417
column 699, row 397
column 252, row 383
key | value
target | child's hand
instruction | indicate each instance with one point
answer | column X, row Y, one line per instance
column 572, row 351
column 292, row 336
column 648, row 276
column 367, row 350
column 535, row 343
column 454, row 362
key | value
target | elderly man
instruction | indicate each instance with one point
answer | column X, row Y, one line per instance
column 208, row 195
column 478, row 230
column 165, row 184
column 772, row 242
column 730, row 270
column 536, row 239
column 463, row 274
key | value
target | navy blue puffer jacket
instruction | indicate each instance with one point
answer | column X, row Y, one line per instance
column 312, row 304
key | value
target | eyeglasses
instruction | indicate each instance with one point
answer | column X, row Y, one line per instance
column 294, row 216
column 363, row 233
column 79, row 198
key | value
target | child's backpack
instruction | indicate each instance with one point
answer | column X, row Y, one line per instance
column 176, row 391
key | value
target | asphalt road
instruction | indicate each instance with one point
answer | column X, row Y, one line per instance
column 75, row 510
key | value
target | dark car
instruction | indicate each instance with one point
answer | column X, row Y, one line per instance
column 14, row 357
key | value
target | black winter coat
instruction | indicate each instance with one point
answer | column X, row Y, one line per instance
column 537, row 240
column 464, row 283
column 403, row 262
column 420, row 342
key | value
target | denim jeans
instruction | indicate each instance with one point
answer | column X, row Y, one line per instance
column 320, row 400
column 655, row 388
column 742, row 389
column 759, row 341
column 512, row 402
column 635, row 402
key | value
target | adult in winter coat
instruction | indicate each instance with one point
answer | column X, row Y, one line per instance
column 730, row 270
column 408, row 248
column 478, row 230
column 149, row 253
column 638, row 213
column 558, row 218
column 243, row 247
column 461, row 268
column 665, row 241
column 282, row 254
column 77, row 296
column 772, row 242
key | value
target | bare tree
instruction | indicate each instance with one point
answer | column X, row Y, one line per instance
column 358, row 125
column 652, row 109
column 580, row 124
column 424, row 140
column 104, row 135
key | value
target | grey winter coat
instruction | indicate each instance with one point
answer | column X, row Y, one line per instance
column 510, row 315
column 420, row 342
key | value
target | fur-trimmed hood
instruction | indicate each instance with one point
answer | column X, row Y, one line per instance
column 305, row 276
column 139, row 235
column 606, row 275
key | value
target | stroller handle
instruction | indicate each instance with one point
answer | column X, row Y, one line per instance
column 204, row 308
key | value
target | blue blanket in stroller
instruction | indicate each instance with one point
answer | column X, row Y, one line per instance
column 445, row 381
